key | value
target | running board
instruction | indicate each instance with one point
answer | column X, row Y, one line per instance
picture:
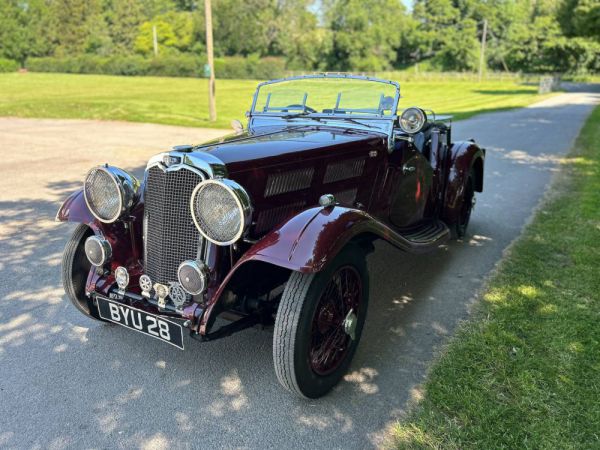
column 422, row 238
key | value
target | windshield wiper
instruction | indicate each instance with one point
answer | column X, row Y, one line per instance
column 299, row 115
column 319, row 119
column 357, row 122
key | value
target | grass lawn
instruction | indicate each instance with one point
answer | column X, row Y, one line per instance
column 524, row 372
column 183, row 101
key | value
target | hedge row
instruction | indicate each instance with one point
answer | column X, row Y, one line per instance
column 168, row 66
column 8, row 65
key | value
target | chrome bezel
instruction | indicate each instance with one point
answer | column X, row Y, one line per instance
column 200, row 268
column 120, row 269
column 424, row 121
column 104, row 246
column 242, row 200
column 127, row 187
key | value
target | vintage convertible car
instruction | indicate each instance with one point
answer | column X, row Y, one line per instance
column 271, row 224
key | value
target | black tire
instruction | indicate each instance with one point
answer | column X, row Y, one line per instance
column 75, row 269
column 295, row 321
column 459, row 229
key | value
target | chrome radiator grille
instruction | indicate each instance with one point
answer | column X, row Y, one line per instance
column 170, row 236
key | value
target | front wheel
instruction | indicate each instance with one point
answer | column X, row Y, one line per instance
column 319, row 323
column 75, row 269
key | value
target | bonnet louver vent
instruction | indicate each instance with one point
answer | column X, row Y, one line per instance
column 289, row 181
column 271, row 217
column 344, row 170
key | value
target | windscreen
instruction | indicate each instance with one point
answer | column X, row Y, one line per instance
column 336, row 96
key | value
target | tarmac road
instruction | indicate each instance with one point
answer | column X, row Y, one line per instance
column 69, row 382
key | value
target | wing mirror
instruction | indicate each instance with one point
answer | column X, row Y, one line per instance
column 237, row 126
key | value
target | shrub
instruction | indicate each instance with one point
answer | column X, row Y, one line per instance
column 173, row 65
column 8, row 65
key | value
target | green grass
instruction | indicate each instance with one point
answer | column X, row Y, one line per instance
column 524, row 372
column 183, row 101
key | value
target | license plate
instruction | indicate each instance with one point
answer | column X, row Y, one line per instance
column 141, row 321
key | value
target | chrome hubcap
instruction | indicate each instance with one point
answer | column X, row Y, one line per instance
column 350, row 324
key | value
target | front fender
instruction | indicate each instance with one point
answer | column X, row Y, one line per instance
column 75, row 209
column 307, row 242
column 126, row 243
column 462, row 157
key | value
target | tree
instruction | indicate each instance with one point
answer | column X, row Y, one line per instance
column 580, row 18
column 365, row 34
column 298, row 36
column 123, row 19
column 25, row 29
column 72, row 22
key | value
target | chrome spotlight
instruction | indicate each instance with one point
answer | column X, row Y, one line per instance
column 122, row 277
column 413, row 120
column 97, row 250
column 193, row 276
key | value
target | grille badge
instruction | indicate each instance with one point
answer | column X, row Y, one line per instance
column 169, row 160
column 161, row 292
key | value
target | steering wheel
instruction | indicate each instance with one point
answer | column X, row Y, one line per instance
column 304, row 107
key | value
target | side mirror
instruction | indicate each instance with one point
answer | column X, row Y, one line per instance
column 237, row 126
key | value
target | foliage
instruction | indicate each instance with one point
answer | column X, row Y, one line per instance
column 8, row 65
column 348, row 35
column 170, row 65
column 364, row 33
column 183, row 101
column 523, row 373
column 173, row 30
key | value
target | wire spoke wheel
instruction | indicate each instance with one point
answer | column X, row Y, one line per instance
column 329, row 340
column 319, row 323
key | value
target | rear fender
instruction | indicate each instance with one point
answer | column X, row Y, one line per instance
column 462, row 157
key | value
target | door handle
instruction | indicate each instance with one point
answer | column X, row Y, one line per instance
column 408, row 169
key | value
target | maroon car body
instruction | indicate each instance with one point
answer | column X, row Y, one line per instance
column 317, row 182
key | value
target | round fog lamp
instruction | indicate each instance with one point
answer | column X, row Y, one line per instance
column 192, row 276
column 122, row 277
column 97, row 250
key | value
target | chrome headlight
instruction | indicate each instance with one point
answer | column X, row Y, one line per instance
column 412, row 120
column 221, row 210
column 109, row 192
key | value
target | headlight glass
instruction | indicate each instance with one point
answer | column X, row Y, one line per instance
column 412, row 120
column 221, row 210
column 109, row 192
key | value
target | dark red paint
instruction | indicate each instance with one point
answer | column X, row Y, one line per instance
column 397, row 190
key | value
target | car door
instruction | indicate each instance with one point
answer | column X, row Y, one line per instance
column 411, row 185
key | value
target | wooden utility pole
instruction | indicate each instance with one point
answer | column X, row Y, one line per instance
column 482, row 51
column 212, row 108
column 155, row 40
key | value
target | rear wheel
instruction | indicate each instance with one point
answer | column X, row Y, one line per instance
column 75, row 270
column 319, row 323
column 459, row 229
